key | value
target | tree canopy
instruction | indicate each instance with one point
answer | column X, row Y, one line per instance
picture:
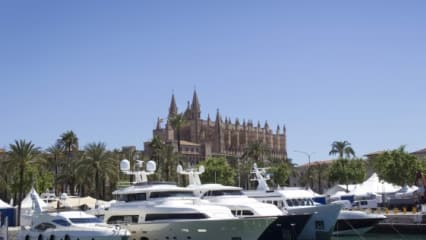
column 217, row 170
column 396, row 166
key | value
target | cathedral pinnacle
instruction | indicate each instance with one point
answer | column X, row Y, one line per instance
column 196, row 109
column 173, row 108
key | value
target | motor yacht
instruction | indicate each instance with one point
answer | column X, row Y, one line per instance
column 286, row 226
column 152, row 210
column 69, row 225
column 323, row 219
column 352, row 222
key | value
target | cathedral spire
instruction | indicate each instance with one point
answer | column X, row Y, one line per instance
column 159, row 121
column 218, row 118
column 173, row 108
column 196, row 109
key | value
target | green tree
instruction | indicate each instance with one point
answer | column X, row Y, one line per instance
column 217, row 170
column 177, row 121
column 169, row 158
column 69, row 141
column 280, row 173
column 340, row 170
column 257, row 151
column 396, row 166
column 347, row 171
column 22, row 154
column 98, row 163
column 320, row 172
column 56, row 152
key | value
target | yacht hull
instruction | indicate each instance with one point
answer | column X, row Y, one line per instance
column 321, row 224
column 238, row 229
column 285, row 227
column 355, row 222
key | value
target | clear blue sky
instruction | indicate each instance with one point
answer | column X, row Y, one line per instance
column 328, row 70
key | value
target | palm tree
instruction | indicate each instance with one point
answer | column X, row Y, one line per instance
column 69, row 141
column 157, row 147
column 343, row 149
column 56, row 151
column 98, row 163
column 177, row 121
column 256, row 150
column 22, row 154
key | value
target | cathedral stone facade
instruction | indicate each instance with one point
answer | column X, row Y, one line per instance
column 201, row 138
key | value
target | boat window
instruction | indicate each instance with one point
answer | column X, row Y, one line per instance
column 242, row 213
column 174, row 216
column 172, row 194
column 295, row 202
column 85, row 220
column 289, row 203
column 44, row 226
column 123, row 219
column 61, row 222
column 132, row 197
column 226, row 193
column 247, row 213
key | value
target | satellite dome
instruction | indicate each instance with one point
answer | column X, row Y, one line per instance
column 179, row 168
column 151, row 166
column 124, row 165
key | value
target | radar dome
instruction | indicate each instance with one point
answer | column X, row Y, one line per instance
column 151, row 166
column 179, row 168
column 124, row 165
column 201, row 169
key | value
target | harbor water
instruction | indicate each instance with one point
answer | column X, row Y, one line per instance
column 371, row 236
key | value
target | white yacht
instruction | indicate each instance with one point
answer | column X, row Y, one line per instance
column 165, row 211
column 70, row 225
column 324, row 217
column 286, row 226
column 352, row 222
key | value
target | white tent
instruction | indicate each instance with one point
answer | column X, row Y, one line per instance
column 339, row 188
column 373, row 185
column 4, row 205
column 27, row 203
column 27, row 207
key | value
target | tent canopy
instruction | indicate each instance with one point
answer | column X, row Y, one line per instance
column 27, row 203
column 4, row 205
column 374, row 185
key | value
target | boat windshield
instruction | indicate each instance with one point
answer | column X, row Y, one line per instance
column 167, row 194
column 85, row 220
column 300, row 202
column 223, row 193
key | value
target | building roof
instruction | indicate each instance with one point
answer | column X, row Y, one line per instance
column 421, row 151
column 316, row 163
column 374, row 153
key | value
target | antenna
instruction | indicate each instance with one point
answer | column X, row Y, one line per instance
column 261, row 177
column 192, row 173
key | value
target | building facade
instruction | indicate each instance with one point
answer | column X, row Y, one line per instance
column 201, row 138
